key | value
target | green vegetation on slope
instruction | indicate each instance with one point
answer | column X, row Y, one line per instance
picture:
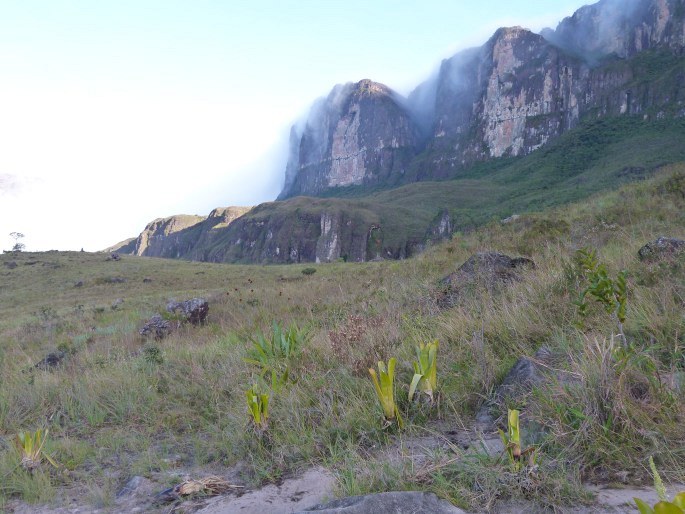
column 120, row 406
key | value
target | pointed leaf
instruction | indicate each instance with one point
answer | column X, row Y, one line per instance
column 667, row 508
column 414, row 382
column 679, row 500
column 643, row 507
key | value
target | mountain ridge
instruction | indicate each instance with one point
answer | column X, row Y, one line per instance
column 507, row 99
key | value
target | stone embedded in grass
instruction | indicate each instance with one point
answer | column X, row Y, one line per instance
column 156, row 327
column 484, row 269
column 51, row 360
column 662, row 248
column 10, row 264
column 195, row 310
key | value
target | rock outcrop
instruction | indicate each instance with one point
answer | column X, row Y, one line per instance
column 485, row 270
column 661, row 248
column 359, row 135
column 181, row 236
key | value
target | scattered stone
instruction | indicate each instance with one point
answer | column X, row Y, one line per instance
column 147, row 280
column 10, row 264
column 79, row 283
column 31, row 263
column 525, row 374
column 115, row 280
column 115, row 256
column 117, row 303
column 132, row 486
column 510, row 219
column 485, row 269
column 664, row 247
column 51, row 360
column 156, row 327
column 195, row 310
column 409, row 502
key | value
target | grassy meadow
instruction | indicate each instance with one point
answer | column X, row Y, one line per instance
column 119, row 405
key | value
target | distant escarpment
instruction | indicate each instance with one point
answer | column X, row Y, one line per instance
column 181, row 236
column 508, row 98
column 521, row 123
column 359, row 135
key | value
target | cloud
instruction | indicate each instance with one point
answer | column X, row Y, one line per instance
column 8, row 184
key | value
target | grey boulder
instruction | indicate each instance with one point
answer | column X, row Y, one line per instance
column 194, row 310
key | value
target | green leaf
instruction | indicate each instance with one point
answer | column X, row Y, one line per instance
column 414, row 382
column 643, row 507
column 679, row 500
column 667, row 508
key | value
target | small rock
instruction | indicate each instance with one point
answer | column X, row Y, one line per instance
column 79, row 283
column 116, row 303
column 510, row 219
column 195, row 311
column 51, row 360
column 664, row 247
column 156, row 327
column 10, row 264
column 525, row 374
column 147, row 280
column 131, row 486
column 406, row 502
column 115, row 256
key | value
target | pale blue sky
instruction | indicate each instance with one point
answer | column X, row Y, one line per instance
column 117, row 112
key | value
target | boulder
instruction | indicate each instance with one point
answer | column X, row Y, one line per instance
column 10, row 264
column 405, row 502
column 525, row 374
column 51, row 360
column 156, row 327
column 483, row 269
column 195, row 310
column 663, row 247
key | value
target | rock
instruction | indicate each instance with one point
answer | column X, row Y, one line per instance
column 132, row 486
column 409, row 502
column 117, row 303
column 195, row 310
column 525, row 374
column 51, row 360
column 10, row 264
column 510, row 219
column 486, row 269
column 115, row 256
column 156, row 327
column 79, row 283
column 147, row 280
column 664, row 247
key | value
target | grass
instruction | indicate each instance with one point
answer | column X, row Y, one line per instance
column 116, row 407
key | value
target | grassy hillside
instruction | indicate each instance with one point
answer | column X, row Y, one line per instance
column 598, row 155
column 120, row 406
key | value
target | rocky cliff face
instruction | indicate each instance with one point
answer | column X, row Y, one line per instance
column 505, row 99
column 508, row 98
column 359, row 135
column 181, row 236
column 621, row 27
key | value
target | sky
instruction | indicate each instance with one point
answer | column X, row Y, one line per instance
column 117, row 112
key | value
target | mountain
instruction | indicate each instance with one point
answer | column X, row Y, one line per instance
column 524, row 121
column 180, row 236
column 359, row 135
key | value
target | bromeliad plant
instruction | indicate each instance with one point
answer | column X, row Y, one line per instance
column 611, row 293
column 425, row 370
column 677, row 506
column 258, row 407
column 512, row 443
column 31, row 448
column 272, row 353
column 384, row 382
